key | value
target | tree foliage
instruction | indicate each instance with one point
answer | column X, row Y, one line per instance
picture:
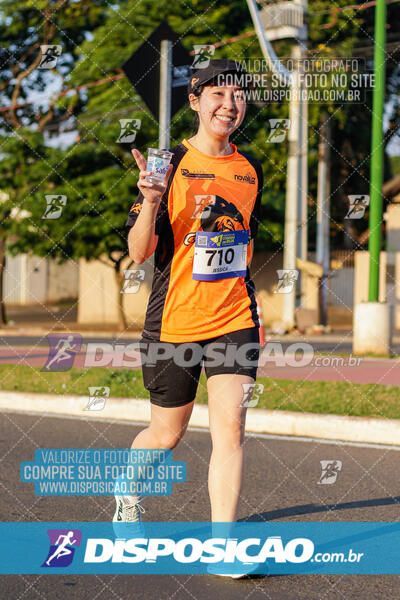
column 98, row 175
column 198, row 23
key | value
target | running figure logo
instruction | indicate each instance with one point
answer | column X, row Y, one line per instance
column 250, row 398
column 62, row 547
column 287, row 280
column 55, row 205
column 49, row 56
column 129, row 129
column 357, row 206
column 279, row 129
column 202, row 55
column 97, row 397
column 201, row 208
column 133, row 279
column 62, row 352
column 330, row 470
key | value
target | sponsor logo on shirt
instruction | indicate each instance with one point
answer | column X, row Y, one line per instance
column 136, row 208
column 245, row 178
column 197, row 174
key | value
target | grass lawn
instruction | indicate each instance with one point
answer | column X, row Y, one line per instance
column 328, row 397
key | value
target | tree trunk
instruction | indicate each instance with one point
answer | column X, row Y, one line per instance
column 119, row 277
column 3, row 318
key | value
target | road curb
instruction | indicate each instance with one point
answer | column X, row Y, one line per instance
column 328, row 427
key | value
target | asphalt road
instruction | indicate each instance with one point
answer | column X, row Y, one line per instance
column 280, row 485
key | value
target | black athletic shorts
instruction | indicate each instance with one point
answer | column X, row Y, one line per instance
column 171, row 371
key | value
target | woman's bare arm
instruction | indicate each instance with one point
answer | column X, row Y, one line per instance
column 142, row 240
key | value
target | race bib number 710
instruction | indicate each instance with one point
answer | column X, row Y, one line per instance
column 219, row 255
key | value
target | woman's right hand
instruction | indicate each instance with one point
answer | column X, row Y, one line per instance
column 152, row 192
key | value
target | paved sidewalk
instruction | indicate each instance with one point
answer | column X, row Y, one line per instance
column 335, row 368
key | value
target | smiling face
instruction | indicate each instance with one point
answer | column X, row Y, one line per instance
column 221, row 109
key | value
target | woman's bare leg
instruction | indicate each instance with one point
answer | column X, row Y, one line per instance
column 227, row 423
column 166, row 428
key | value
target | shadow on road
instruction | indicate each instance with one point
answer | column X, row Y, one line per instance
column 305, row 509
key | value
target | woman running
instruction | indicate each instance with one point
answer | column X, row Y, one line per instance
column 201, row 225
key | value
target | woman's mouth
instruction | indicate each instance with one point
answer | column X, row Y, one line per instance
column 225, row 118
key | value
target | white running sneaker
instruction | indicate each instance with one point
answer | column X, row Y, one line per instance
column 128, row 512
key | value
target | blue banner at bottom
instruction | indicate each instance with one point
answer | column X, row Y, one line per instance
column 174, row 547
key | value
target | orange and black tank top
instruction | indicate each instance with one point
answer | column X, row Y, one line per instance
column 204, row 193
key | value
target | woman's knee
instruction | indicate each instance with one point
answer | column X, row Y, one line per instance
column 168, row 425
column 167, row 439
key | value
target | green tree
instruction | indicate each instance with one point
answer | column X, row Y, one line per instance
column 24, row 27
column 332, row 33
column 23, row 169
column 86, row 187
column 98, row 174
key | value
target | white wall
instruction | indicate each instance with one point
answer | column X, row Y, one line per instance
column 35, row 280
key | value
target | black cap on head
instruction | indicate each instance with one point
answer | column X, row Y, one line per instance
column 216, row 67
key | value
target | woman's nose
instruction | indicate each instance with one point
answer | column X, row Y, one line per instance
column 229, row 101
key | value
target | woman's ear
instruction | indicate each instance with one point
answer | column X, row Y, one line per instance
column 194, row 102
